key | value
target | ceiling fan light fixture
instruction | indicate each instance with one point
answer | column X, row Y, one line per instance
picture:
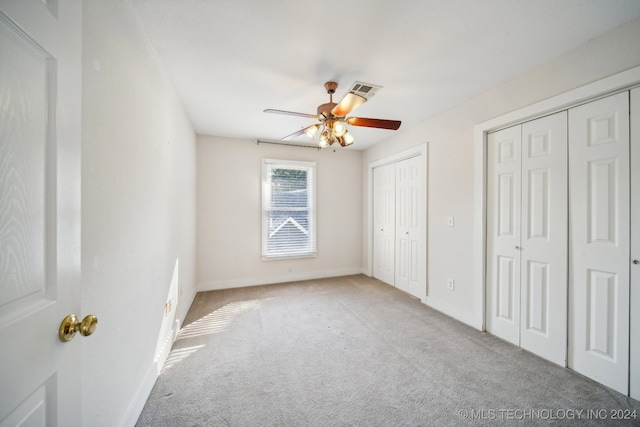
column 311, row 131
column 348, row 139
column 324, row 136
column 339, row 128
column 333, row 116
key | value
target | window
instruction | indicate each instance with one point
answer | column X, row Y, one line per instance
column 288, row 209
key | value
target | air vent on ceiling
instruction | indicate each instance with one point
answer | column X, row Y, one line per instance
column 366, row 90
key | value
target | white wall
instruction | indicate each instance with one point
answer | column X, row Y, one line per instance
column 229, row 214
column 138, row 210
column 451, row 160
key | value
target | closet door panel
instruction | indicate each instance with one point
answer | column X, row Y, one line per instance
column 416, row 215
column 408, row 226
column 384, row 223
column 544, row 237
column 503, row 234
column 634, row 367
column 600, row 240
column 403, row 219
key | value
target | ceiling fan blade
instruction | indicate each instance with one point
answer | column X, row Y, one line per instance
column 374, row 123
column 292, row 113
column 347, row 104
column 298, row 133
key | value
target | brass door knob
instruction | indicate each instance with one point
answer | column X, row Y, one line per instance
column 70, row 325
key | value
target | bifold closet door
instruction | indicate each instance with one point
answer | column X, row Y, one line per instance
column 503, row 234
column 544, row 238
column 409, row 260
column 527, row 236
column 600, row 240
column 384, row 223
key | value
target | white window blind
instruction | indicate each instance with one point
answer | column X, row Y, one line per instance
column 288, row 209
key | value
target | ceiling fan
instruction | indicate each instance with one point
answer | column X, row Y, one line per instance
column 333, row 117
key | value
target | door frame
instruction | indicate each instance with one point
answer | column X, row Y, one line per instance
column 418, row 150
column 619, row 82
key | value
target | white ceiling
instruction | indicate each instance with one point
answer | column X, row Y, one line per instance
column 231, row 59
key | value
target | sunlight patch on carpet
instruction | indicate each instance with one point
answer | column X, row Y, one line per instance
column 220, row 319
column 178, row 355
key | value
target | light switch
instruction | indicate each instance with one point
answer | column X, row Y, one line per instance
column 450, row 221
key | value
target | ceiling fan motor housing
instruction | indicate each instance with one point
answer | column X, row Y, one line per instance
column 331, row 87
column 325, row 109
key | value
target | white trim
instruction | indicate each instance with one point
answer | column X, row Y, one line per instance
column 609, row 85
column 418, row 150
column 146, row 385
column 142, row 394
column 402, row 155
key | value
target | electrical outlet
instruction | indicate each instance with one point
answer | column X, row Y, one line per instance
column 450, row 284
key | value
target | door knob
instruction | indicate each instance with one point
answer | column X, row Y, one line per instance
column 517, row 248
column 635, row 261
column 70, row 325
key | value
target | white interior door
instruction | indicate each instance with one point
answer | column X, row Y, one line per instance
column 403, row 225
column 503, row 234
column 409, row 235
column 634, row 367
column 39, row 211
column 384, row 223
column 599, row 240
column 543, row 237
column 417, row 227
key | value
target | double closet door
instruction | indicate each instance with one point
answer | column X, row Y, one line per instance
column 559, row 238
column 399, row 257
column 527, row 236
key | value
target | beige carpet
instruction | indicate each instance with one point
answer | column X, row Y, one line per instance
column 353, row 351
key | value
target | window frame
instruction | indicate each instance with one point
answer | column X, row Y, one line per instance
column 310, row 168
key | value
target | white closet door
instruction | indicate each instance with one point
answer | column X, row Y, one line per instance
column 634, row 367
column 544, row 235
column 408, row 227
column 417, row 228
column 503, row 234
column 384, row 223
column 599, row 245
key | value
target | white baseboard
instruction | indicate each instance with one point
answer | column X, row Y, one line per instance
column 453, row 311
column 137, row 404
column 142, row 394
column 287, row 277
